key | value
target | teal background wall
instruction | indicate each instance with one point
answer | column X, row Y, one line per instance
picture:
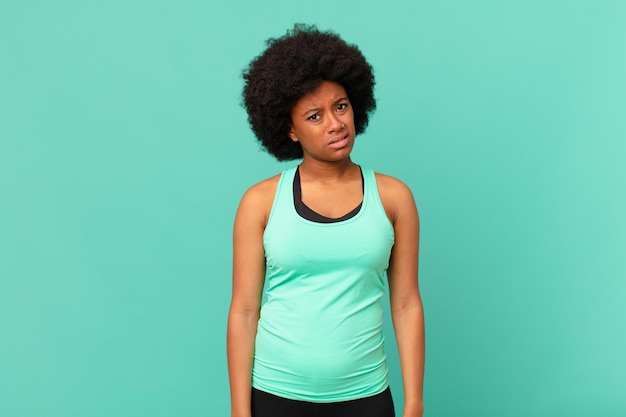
column 124, row 152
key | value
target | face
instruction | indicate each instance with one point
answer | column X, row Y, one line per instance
column 323, row 123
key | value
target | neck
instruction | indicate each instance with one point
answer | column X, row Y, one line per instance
column 326, row 171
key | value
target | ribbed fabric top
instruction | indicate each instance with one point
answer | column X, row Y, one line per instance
column 319, row 336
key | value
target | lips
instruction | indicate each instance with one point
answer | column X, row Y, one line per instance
column 339, row 142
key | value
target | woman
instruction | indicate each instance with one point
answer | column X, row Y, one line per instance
column 324, row 235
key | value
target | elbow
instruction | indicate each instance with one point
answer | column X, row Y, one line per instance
column 245, row 312
column 406, row 303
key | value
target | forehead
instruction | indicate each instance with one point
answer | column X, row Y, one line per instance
column 326, row 92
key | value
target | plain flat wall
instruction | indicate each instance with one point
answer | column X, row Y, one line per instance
column 124, row 152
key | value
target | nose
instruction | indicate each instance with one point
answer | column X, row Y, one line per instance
column 334, row 123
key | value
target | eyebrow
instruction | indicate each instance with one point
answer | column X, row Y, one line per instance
column 316, row 109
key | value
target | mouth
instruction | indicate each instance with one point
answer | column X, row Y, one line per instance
column 339, row 142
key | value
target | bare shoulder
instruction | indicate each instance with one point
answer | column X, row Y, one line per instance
column 396, row 196
column 257, row 201
column 262, row 191
column 387, row 183
column 392, row 190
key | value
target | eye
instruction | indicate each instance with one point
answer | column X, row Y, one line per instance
column 314, row 117
column 342, row 106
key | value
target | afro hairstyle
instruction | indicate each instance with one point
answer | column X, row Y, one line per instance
column 292, row 66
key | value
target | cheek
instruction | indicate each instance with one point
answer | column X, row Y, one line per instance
column 311, row 132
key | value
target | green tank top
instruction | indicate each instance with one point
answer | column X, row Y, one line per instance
column 319, row 336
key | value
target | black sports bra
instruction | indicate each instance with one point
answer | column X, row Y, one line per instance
column 304, row 211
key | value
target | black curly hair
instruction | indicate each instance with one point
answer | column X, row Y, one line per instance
column 294, row 65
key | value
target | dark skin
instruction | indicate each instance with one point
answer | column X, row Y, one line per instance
column 322, row 122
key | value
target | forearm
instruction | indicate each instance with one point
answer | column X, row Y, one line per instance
column 408, row 324
column 242, row 328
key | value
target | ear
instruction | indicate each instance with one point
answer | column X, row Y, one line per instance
column 292, row 134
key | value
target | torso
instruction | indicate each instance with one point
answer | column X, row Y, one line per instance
column 319, row 335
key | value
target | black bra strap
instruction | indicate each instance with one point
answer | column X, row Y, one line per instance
column 304, row 211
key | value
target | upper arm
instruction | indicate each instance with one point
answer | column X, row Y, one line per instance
column 248, row 251
column 403, row 264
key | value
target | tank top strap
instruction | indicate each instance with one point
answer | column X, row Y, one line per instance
column 283, row 199
column 371, row 193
